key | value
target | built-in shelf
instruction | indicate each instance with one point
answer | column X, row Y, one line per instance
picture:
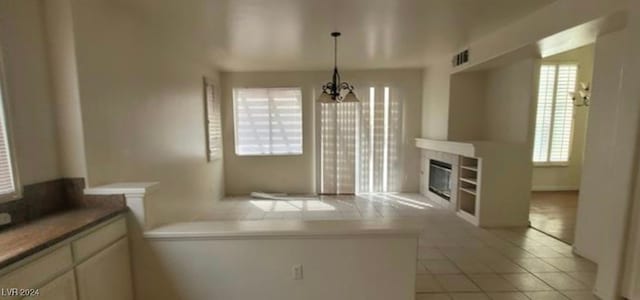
column 468, row 188
column 467, row 216
column 469, row 180
column 467, row 203
column 469, row 162
column 475, row 169
column 469, row 191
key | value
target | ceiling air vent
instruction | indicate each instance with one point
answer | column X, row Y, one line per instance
column 460, row 58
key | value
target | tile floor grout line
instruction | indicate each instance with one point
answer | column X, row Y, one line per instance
column 550, row 235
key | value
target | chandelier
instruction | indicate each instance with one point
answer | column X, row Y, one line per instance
column 583, row 96
column 334, row 91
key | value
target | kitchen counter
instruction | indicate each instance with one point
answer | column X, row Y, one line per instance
column 26, row 239
column 285, row 228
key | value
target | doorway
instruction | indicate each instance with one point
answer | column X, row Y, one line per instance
column 560, row 129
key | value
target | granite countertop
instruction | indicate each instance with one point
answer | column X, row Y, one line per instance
column 26, row 239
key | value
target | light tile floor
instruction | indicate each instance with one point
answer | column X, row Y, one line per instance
column 455, row 259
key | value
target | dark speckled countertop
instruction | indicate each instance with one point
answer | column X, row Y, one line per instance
column 26, row 239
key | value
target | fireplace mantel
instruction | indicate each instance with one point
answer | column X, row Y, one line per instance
column 458, row 148
column 472, row 148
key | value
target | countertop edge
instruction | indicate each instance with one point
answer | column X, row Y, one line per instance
column 269, row 230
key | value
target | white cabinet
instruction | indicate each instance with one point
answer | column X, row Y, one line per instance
column 91, row 244
column 94, row 265
column 106, row 275
column 36, row 273
column 61, row 288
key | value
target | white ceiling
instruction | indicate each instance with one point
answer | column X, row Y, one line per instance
column 243, row 35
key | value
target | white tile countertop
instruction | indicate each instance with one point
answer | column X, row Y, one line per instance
column 121, row 188
column 285, row 228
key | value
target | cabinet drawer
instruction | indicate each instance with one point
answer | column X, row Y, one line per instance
column 37, row 272
column 99, row 239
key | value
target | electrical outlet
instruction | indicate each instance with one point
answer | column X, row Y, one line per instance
column 5, row 218
column 296, row 272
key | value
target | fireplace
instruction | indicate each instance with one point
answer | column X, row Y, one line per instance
column 440, row 178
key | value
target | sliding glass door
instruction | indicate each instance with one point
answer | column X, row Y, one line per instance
column 359, row 144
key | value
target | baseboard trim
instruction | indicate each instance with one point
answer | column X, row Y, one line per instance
column 553, row 188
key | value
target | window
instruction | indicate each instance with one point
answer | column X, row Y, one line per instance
column 268, row 121
column 554, row 116
column 8, row 184
column 213, row 127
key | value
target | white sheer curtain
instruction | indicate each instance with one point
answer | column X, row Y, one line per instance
column 360, row 144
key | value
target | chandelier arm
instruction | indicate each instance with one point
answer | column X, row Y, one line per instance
column 346, row 86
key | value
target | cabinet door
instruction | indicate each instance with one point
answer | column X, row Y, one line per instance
column 106, row 275
column 61, row 288
column 36, row 272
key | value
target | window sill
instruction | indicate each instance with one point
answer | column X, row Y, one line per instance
column 268, row 155
column 551, row 165
column 11, row 197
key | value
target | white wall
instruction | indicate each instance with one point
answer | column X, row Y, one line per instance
column 435, row 101
column 22, row 40
column 467, row 106
column 568, row 177
column 58, row 24
column 493, row 104
column 594, row 193
column 624, row 165
column 610, row 160
column 522, row 33
column 631, row 282
column 509, row 101
column 549, row 20
column 297, row 174
column 291, row 174
column 143, row 108
column 375, row 268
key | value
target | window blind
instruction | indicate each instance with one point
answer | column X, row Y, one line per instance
column 268, row 121
column 7, row 182
column 554, row 116
column 214, row 128
column 544, row 112
column 563, row 113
